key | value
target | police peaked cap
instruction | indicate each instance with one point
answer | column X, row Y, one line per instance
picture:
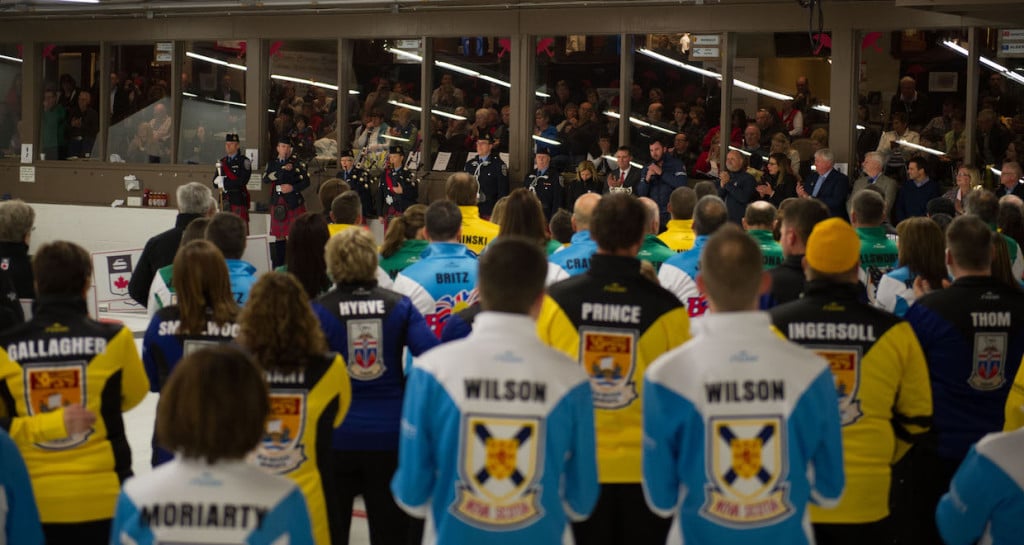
column 231, row 137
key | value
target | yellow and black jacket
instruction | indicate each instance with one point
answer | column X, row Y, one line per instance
column 881, row 377
column 305, row 406
column 614, row 322
column 58, row 358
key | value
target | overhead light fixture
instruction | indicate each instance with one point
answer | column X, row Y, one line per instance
column 80, row 1
column 398, row 138
column 305, row 81
column 547, row 140
column 919, row 147
column 11, row 59
column 708, row 73
column 639, row 122
column 213, row 60
column 218, row 101
column 631, row 163
column 991, row 64
column 415, row 108
column 460, row 69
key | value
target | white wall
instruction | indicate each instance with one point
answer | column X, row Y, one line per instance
column 99, row 229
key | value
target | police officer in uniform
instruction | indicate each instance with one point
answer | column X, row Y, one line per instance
column 491, row 173
column 545, row 183
column 233, row 171
column 287, row 177
column 359, row 180
column 398, row 188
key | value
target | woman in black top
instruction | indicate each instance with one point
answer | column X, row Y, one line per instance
column 780, row 183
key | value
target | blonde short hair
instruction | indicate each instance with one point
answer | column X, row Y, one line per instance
column 16, row 220
column 351, row 256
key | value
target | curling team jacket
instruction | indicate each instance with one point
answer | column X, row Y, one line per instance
column 972, row 334
column 679, row 275
column 748, row 425
column 881, row 380
column 678, row 235
column 57, row 358
column 306, row 405
column 163, row 347
column 190, row 501
column 20, row 521
column 878, row 256
column 442, row 283
column 573, row 259
column 370, row 325
column 477, row 232
column 407, row 254
column 985, row 502
column 614, row 322
column 497, row 439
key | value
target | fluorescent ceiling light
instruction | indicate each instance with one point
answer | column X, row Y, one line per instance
column 822, row 108
column 215, row 61
column 991, row 64
column 80, row 1
column 460, row 69
column 305, row 81
column 547, row 140
column 12, row 59
column 737, row 82
column 631, row 163
column 743, row 151
column 399, row 138
column 639, row 122
column 228, row 102
column 414, row 108
column 919, row 147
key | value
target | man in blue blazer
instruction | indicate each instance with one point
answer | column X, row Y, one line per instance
column 829, row 185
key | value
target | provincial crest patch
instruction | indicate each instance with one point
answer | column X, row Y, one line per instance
column 845, row 364
column 281, row 450
column 746, row 469
column 52, row 386
column 364, row 355
column 989, row 370
column 609, row 357
column 498, row 470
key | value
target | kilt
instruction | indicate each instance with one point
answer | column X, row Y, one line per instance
column 281, row 228
column 238, row 210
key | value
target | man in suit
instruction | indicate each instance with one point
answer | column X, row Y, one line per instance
column 737, row 186
column 1009, row 180
column 626, row 176
column 660, row 178
column 829, row 186
column 872, row 167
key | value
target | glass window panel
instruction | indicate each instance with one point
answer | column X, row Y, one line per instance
column 911, row 91
column 471, row 81
column 10, row 107
column 387, row 74
column 577, row 82
column 141, row 110
column 780, row 101
column 303, row 94
column 675, row 100
column 1000, row 131
column 212, row 99
column 70, row 76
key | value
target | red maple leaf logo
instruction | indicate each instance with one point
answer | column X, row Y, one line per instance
column 120, row 283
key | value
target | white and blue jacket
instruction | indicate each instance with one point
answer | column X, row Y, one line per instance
column 441, row 283
column 497, row 440
column 678, row 275
column 573, row 259
column 187, row 501
column 985, row 502
column 741, row 431
column 19, row 517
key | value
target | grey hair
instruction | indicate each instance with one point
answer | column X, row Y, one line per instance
column 16, row 220
column 194, row 198
column 826, row 154
column 875, row 156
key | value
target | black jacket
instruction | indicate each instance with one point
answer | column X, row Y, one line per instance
column 787, row 281
column 158, row 252
column 15, row 260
